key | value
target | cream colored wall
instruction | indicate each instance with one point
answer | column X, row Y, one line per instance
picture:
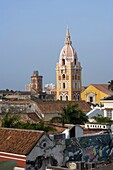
column 69, row 70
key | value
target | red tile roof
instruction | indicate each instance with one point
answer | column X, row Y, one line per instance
column 18, row 141
column 103, row 88
column 56, row 106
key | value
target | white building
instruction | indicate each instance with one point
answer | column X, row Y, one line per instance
column 108, row 107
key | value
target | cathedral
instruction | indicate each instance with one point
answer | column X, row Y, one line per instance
column 68, row 73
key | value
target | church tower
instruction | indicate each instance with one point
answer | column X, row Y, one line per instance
column 36, row 82
column 68, row 73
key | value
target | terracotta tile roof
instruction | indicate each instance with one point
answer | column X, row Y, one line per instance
column 58, row 128
column 103, row 88
column 18, row 141
column 56, row 106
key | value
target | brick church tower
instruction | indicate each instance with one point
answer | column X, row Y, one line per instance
column 68, row 73
column 36, row 82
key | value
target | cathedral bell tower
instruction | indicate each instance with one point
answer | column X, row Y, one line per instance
column 36, row 82
column 68, row 73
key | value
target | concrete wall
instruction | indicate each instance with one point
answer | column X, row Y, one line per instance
column 46, row 152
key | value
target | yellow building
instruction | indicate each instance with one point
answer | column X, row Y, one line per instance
column 95, row 92
column 68, row 73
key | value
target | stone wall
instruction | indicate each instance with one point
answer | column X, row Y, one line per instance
column 20, row 107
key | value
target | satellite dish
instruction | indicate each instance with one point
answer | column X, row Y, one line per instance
column 112, row 127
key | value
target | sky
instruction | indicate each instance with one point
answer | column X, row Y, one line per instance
column 32, row 34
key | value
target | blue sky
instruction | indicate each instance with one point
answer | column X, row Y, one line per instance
column 32, row 34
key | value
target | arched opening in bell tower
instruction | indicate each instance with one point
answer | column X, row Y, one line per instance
column 63, row 62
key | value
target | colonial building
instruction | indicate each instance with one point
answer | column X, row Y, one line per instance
column 95, row 92
column 68, row 73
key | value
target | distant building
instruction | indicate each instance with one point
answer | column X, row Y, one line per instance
column 49, row 87
column 68, row 73
column 95, row 92
column 36, row 83
column 46, row 110
column 108, row 106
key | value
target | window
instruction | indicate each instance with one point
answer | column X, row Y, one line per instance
column 109, row 114
column 75, row 61
column 61, row 98
column 74, row 97
column 59, row 77
column 78, row 77
column 63, row 76
column 78, row 97
column 63, row 85
column 75, row 77
column 66, row 98
column 91, row 99
column 63, row 61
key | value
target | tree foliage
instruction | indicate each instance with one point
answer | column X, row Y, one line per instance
column 71, row 115
column 110, row 86
column 13, row 121
column 101, row 119
column 10, row 120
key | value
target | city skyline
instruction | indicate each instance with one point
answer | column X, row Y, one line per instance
column 32, row 34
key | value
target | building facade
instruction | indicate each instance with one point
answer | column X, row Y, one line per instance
column 68, row 73
column 108, row 106
column 95, row 92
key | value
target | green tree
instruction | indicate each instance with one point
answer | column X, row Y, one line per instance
column 9, row 120
column 34, row 126
column 13, row 121
column 101, row 119
column 110, row 86
column 71, row 115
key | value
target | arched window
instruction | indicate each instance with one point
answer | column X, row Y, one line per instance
column 63, row 85
column 63, row 76
column 75, row 61
column 66, row 98
column 61, row 98
column 63, row 61
column 74, row 97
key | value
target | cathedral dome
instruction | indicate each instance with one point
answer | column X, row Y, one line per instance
column 68, row 52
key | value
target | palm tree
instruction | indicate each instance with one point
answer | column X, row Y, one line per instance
column 110, row 86
column 71, row 115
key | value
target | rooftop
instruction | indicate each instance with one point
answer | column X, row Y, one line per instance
column 18, row 141
column 56, row 106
